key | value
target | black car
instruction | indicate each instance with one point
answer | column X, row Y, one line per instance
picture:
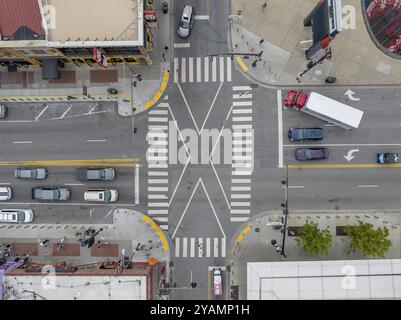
column 112, row 91
column 303, row 154
column 387, row 158
column 303, row 134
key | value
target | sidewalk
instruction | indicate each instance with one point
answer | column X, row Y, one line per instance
column 355, row 58
column 252, row 241
column 132, row 232
column 27, row 84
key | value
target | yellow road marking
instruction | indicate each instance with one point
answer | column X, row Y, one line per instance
column 342, row 166
column 158, row 231
column 159, row 93
column 242, row 64
column 242, row 234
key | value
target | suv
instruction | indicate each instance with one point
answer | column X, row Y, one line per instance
column 34, row 173
column 387, row 158
column 51, row 194
column 6, row 193
column 302, row 134
column 3, row 111
column 96, row 174
column 303, row 154
column 186, row 22
column 16, row 215
column 106, row 195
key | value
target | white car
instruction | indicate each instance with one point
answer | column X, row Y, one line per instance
column 217, row 282
column 16, row 215
column 5, row 193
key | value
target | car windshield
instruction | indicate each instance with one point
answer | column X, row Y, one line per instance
column 107, row 196
column 312, row 154
column 184, row 24
column 20, row 216
column 56, row 194
column 102, row 174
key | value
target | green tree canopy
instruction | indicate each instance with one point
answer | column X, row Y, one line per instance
column 313, row 240
column 369, row 241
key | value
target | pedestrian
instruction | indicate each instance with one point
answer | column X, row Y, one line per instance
column 164, row 57
column 261, row 41
column 165, row 48
column 264, row 5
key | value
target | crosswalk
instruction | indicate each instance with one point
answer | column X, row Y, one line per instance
column 202, row 69
column 242, row 156
column 157, row 157
column 200, row 247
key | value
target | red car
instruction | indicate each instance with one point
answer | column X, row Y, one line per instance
column 290, row 98
column 301, row 100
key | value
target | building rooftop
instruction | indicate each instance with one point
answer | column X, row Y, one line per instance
column 15, row 15
column 94, row 20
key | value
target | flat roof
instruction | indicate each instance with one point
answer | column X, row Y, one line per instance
column 75, row 21
column 334, row 109
column 336, row 279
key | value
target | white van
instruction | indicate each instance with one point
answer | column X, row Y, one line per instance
column 101, row 195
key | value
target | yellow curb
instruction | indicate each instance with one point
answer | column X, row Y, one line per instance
column 242, row 234
column 342, row 166
column 242, row 64
column 159, row 93
column 158, row 231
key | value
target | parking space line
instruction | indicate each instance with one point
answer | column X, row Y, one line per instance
column 66, row 111
column 73, row 184
column 201, row 17
column 368, row 186
column 41, row 113
column 182, row 45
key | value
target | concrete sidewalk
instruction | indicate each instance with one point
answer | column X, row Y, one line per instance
column 134, row 94
column 355, row 58
column 132, row 232
column 252, row 241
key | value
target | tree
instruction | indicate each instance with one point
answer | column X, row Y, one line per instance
column 313, row 240
column 369, row 241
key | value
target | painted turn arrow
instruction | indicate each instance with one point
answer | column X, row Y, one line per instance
column 350, row 95
column 349, row 156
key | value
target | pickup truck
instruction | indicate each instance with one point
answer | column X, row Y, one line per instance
column 95, row 174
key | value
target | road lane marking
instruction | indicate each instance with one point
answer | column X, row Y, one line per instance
column 22, row 142
column 73, row 184
column 99, row 140
column 216, row 247
column 242, row 88
column 223, row 247
column 177, row 247
column 280, row 129
column 158, row 204
column 208, row 247
column 201, row 17
column 184, row 247
column 214, row 71
column 242, row 103
column 157, row 181
column 182, row 45
column 158, row 173
column 238, row 219
column 221, row 63
column 5, row 183
column 80, row 204
column 240, row 211
column 240, row 196
column 242, row 111
column 156, row 212
column 240, row 204
column 183, row 70
column 153, row 189
column 240, row 180
column 367, row 186
column 157, row 196
column 295, row 187
column 137, row 185
column 241, row 188
column 200, row 247
column 192, row 248
column 241, row 126
column 41, row 113
column 176, row 69
column 158, row 119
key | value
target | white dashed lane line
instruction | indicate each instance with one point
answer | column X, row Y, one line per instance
column 22, row 142
column 101, row 140
column 367, row 186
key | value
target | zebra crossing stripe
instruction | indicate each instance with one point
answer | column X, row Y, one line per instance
column 240, row 211
column 223, row 247
column 176, row 70
column 164, row 227
column 206, row 69
column 198, row 69
column 184, row 247
column 157, row 166
column 160, row 219
column 229, row 69
column 192, row 248
column 216, row 247
column 157, row 196
column 242, row 126
column 200, row 247
column 157, row 212
column 190, row 69
column 242, row 103
column 158, row 119
column 221, row 69
column 158, row 204
column 242, row 111
column 238, row 219
column 240, row 196
column 177, row 247
column 214, row 71
column 240, row 180
column 241, row 188
column 242, row 96
column 242, row 88
column 183, row 70
column 157, row 128
column 157, row 112
column 158, row 189
column 157, row 181
column 240, row 204
column 208, row 247
column 158, row 173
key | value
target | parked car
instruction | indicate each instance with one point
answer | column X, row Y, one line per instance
column 3, row 111
column 112, row 91
column 290, row 98
column 101, row 195
column 301, row 100
column 16, row 215
column 304, row 134
column 95, row 174
column 51, row 193
column 33, row 173
column 186, row 22
column 387, row 158
column 6, row 193
column 217, row 282
column 303, row 154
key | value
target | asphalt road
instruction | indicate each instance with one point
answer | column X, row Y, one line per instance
column 55, row 134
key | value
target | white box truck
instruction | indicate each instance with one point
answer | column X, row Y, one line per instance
column 329, row 110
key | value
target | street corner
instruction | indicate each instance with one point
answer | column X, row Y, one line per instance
column 159, row 93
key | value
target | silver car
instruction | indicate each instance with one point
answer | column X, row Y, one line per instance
column 186, row 22
column 3, row 111
column 51, row 194
column 33, row 174
column 6, row 193
column 16, row 215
